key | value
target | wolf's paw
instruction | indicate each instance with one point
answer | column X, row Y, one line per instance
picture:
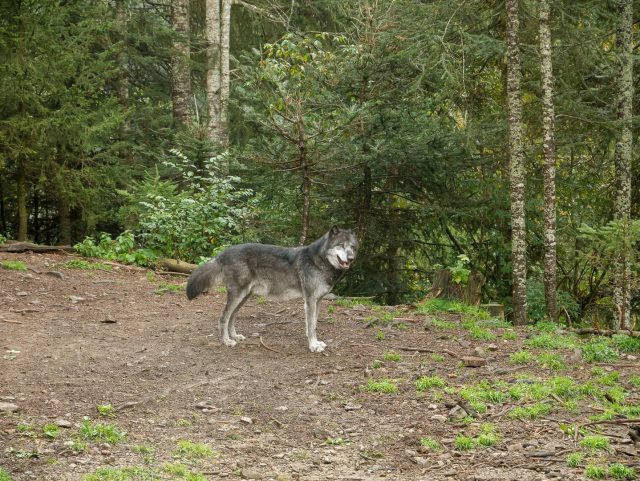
column 317, row 346
column 238, row 337
column 229, row 342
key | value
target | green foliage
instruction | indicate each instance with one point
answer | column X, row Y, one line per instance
column 464, row 443
column 598, row 350
column 387, row 386
column 101, row 432
column 129, row 473
column 534, row 411
column 620, row 471
column 595, row 472
column 521, row 357
column 122, row 249
column 13, row 265
column 4, row 475
column 105, row 410
column 425, row 383
column 552, row 341
column 430, row 443
column 208, row 212
column 625, row 343
column 574, row 459
column 392, row 356
column 50, row 431
column 460, row 272
column 595, row 442
column 80, row 264
column 192, row 451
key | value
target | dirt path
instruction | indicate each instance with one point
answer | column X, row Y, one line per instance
column 73, row 339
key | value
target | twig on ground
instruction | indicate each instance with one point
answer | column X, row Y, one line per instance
column 267, row 347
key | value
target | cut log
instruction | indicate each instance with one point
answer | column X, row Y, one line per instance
column 444, row 287
column 175, row 265
column 18, row 247
column 494, row 309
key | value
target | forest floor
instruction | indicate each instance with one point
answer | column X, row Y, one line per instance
column 109, row 373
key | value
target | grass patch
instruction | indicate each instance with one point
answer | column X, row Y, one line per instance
column 192, row 451
column 428, row 382
column 101, row 432
column 551, row 361
column 487, row 438
column 635, row 381
column 464, row 443
column 336, row 441
column 380, row 335
column 164, row 287
column 429, row 443
column 509, row 336
column 105, row 410
column 5, row 476
column 574, row 459
column 51, row 431
column 531, row 412
column 392, row 356
column 433, row 306
column 441, row 324
column 350, row 303
column 620, row 471
column 436, row 357
column 594, row 472
column 13, row 266
column 595, row 442
column 521, row 357
column 386, row 386
column 129, row 473
column 598, row 350
column 626, row 343
column 546, row 340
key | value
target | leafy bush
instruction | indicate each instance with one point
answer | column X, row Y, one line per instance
column 122, row 249
column 536, row 302
column 598, row 350
column 201, row 211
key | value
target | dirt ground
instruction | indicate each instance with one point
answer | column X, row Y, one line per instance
column 73, row 339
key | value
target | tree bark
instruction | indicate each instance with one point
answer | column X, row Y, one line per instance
column 180, row 69
column 549, row 149
column 213, row 68
column 516, row 168
column 225, row 33
column 64, row 220
column 623, row 156
column 22, row 201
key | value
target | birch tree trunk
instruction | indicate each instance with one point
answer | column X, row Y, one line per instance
column 624, row 103
column 549, row 149
column 180, row 69
column 225, row 31
column 213, row 68
column 516, row 167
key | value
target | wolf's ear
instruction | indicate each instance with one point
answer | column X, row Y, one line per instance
column 334, row 231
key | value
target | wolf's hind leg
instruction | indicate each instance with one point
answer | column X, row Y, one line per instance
column 235, row 300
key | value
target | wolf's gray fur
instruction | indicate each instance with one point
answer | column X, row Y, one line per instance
column 283, row 273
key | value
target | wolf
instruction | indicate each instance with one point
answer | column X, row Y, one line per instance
column 307, row 272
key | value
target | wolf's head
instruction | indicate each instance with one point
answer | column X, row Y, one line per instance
column 342, row 245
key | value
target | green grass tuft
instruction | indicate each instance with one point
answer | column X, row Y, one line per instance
column 392, row 356
column 192, row 451
column 521, row 357
column 595, row 442
column 574, row 459
column 101, row 432
column 13, row 265
column 387, row 386
column 620, row 471
column 595, row 472
column 427, row 442
column 427, row 382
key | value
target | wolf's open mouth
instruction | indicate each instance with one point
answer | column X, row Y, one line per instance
column 344, row 264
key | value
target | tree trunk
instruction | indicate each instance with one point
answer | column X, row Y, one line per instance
column 225, row 32
column 516, row 168
column 622, row 273
column 213, row 68
column 306, row 203
column 549, row 148
column 22, row 201
column 64, row 220
column 180, row 69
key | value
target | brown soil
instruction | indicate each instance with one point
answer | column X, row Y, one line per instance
column 268, row 407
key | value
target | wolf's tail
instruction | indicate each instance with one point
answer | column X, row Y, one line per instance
column 203, row 278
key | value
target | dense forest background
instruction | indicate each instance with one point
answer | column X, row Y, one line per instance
column 192, row 125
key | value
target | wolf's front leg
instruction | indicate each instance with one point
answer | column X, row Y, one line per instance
column 311, row 318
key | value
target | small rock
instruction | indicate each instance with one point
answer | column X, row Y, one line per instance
column 8, row 407
column 359, row 308
column 246, row 420
column 420, row 461
column 631, row 357
column 432, row 407
column 282, row 409
column 57, row 274
column 350, row 406
column 75, row 299
column 251, row 474
column 63, row 423
column 203, row 405
column 327, row 460
column 22, row 293
column 492, row 347
column 439, row 417
column 472, row 361
column 478, row 351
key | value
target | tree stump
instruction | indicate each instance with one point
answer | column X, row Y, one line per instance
column 469, row 293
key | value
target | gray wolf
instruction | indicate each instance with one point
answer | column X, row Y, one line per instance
column 282, row 273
